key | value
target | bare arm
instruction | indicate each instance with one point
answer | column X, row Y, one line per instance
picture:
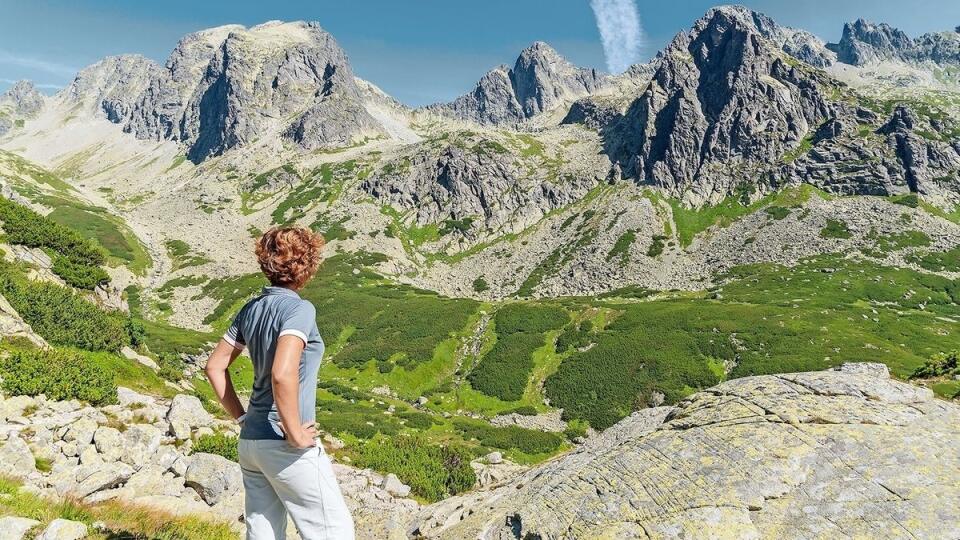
column 220, row 359
column 286, row 391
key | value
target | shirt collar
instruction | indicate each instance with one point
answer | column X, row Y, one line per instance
column 282, row 291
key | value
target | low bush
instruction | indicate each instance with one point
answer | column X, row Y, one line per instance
column 62, row 316
column 530, row 318
column 26, row 227
column 219, row 444
column 575, row 336
column 480, row 284
column 528, row 441
column 939, row 365
column 835, row 229
column 81, row 276
column 171, row 366
column 433, row 472
column 58, row 374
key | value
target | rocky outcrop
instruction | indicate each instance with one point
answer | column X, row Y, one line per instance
column 112, row 86
column 456, row 181
column 539, row 81
column 19, row 103
column 724, row 104
column 865, row 43
column 837, row 453
column 228, row 86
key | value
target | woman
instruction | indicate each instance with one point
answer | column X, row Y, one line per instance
column 284, row 469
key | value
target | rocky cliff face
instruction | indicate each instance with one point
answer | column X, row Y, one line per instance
column 825, row 454
column 19, row 102
column 540, row 80
column 724, row 103
column 864, row 43
column 227, row 86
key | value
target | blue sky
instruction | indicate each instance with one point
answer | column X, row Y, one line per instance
column 420, row 51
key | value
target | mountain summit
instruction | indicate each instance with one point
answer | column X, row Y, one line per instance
column 540, row 80
column 227, row 86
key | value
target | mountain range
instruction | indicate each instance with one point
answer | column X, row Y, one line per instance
column 559, row 259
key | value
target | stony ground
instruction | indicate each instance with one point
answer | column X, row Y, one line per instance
column 837, row 454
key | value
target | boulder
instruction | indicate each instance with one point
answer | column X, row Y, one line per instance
column 140, row 443
column 152, row 480
column 16, row 528
column 186, row 414
column 15, row 406
column 214, row 477
column 494, row 458
column 109, row 443
column 93, row 478
column 64, row 529
column 80, row 432
column 393, row 485
column 16, row 459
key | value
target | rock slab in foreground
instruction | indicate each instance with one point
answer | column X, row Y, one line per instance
column 846, row 453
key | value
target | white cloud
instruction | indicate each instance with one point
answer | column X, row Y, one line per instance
column 620, row 32
column 39, row 64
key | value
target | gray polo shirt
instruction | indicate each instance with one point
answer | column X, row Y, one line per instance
column 259, row 325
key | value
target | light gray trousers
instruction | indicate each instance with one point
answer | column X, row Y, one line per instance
column 279, row 480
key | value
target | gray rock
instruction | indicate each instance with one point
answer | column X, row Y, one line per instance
column 222, row 87
column 215, row 478
column 93, row 478
column 708, row 469
column 539, row 81
column 81, row 432
column 865, row 43
column 393, row 485
column 64, row 529
column 494, row 458
column 108, row 442
column 16, row 459
column 186, row 414
column 16, row 528
column 140, row 443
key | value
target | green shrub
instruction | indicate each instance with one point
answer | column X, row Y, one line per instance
column 81, row 276
column 504, row 370
column 835, row 229
column 58, row 374
column 62, row 316
column 530, row 318
column 219, row 444
column 26, row 227
column 575, row 429
column 939, row 365
column 524, row 410
column 939, row 261
column 433, row 472
column 480, row 284
column 656, row 246
column 575, row 336
column 528, row 441
column 777, row 212
column 418, row 420
column 621, row 248
column 171, row 366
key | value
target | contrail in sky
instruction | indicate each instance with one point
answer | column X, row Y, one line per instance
column 620, row 32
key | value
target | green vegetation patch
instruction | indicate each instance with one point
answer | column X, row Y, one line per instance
column 183, row 255
column 62, row 316
column 939, row 261
column 764, row 319
column 835, row 228
column 528, row 441
column 58, row 374
column 219, row 444
column 505, row 369
column 433, row 472
column 621, row 248
column 107, row 230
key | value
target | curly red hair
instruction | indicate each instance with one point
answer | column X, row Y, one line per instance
column 289, row 256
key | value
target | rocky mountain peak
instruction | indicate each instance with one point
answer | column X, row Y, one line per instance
column 24, row 97
column 724, row 98
column 540, row 80
column 864, row 42
column 226, row 86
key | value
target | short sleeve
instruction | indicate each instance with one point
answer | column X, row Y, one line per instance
column 300, row 322
column 234, row 335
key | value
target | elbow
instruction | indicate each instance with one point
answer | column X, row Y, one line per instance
column 212, row 369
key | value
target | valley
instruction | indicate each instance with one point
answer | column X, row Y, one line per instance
column 510, row 277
